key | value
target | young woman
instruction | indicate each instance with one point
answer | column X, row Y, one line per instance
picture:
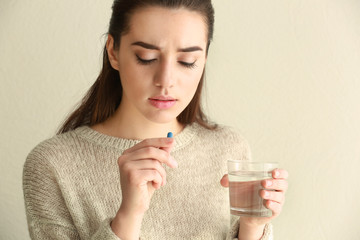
column 111, row 172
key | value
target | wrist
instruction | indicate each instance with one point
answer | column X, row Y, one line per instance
column 250, row 231
column 126, row 225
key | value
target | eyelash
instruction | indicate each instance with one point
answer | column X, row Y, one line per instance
column 143, row 61
column 188, row 65
column 147, row 62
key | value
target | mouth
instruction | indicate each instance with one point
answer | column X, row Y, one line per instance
column 162, row 102
column 163, row 98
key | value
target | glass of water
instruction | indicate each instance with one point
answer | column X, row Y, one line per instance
column 245, row 185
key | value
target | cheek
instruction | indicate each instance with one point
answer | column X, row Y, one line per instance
column 194, row 79
column 133, row 75
column 133, row 85
column 191, row 85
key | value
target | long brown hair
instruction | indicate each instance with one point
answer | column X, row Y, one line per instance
column 104, row 96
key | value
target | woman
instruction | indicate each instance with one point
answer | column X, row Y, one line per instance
column 111, row 173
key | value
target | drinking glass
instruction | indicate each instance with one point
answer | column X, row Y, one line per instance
column 245, row 185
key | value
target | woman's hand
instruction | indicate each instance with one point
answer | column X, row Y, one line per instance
column 274, row 198
column 141, row 173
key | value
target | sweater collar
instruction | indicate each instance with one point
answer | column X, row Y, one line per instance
column 182, row 139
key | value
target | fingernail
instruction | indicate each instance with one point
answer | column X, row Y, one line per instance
column 173, row 162
column 268, row 183
column 277, row 173
column 266, row 194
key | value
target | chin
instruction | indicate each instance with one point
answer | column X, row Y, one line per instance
column 162, row 118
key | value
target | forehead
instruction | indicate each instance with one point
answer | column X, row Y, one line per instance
column 164, row 26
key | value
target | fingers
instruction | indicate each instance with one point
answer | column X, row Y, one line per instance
column 152, row 176
column 141, row 177
column 279, row 182
column 143, row 162
column 274, row 200
column 280, row 173
column 149, row 153
column 163, row 143
column 274, row 196
column 275, row 184
column 142, row 172
column 224, row 181
column 146, row 165
column 275, row 207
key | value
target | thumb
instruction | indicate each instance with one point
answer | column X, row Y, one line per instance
column 224, row 181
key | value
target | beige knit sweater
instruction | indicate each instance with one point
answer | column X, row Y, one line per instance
column 72, row 187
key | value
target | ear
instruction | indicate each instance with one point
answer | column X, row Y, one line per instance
column 112, row 54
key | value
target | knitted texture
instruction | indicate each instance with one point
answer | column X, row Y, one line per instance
column 71, row 186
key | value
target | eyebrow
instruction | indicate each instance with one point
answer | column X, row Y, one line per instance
column 153, row 47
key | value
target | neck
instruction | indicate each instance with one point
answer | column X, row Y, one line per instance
column 129, row 127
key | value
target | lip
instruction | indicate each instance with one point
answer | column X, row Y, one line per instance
column 163, row 98
column 162, row 102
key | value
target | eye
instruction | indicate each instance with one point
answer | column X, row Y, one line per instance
column 144, row 61
column 188, row 65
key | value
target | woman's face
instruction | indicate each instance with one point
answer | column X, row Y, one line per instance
column 160, row 61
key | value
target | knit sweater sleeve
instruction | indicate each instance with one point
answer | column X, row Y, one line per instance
column 47, row 214
column 241, row 150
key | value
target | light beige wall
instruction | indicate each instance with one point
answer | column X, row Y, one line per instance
column 286, row 73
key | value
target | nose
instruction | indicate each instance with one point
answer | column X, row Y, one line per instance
column 164, row 76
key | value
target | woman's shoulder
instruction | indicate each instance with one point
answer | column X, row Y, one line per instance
column 225, row 137
column 55, row 147
column 221, row 132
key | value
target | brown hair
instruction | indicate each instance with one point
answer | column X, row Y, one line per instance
column 104, row 96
